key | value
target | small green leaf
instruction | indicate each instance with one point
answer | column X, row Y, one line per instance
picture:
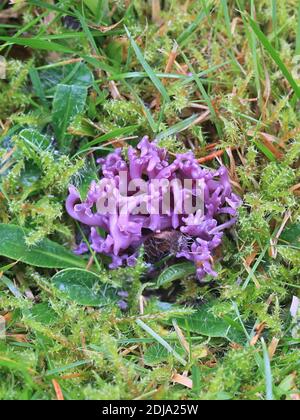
column 161, row 341
column 204, row 322
column 68, row 102
column 175, row 272
column 72, row 74
column 37, row 85
column 46, row 254
column 291, row 235
column 156, row 354
column 43, row 313
column 84, row 288
column 88, row 176
column 35, row 139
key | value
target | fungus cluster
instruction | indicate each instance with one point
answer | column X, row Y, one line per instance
column 120, row 235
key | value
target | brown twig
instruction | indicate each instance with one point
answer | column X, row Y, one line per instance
column 104, row 29
column 212, row 156
column 203, row 117
column 171, row 59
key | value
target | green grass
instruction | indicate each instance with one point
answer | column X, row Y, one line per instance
column 237, row 60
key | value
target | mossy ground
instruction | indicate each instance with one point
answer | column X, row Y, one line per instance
column 245, row 79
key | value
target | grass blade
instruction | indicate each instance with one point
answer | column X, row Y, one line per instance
column 68, row 102
column 255, row 56
column 275, row 56
column 54, row 372
column 268, row 373
column 37, row 44
column 298, row 33
column 205, row 95
column 161, row 341
column 87, row 31
column 177, row 128
column 118, row 132
column 275, row 22
column 155, row 80
column 265, row 150
column 145, row 110
column 227, row 18
column 255, row 267
column 184, row 37
column 37, row 85
column 49, row 6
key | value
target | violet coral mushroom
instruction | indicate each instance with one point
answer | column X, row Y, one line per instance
column 126, row 232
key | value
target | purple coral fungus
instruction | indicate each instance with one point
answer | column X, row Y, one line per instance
column 126, row 231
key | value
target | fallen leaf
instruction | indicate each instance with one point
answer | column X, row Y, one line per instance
column 273, row 347
column 182, row 380
column 58, row 391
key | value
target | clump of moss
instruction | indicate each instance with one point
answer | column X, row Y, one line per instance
column 15, row 93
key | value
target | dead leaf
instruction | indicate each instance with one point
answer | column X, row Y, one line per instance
column 114, row 91
column 234, row 24
column 58, row 391
column 273, row 347
column 129, row 350
column 267, row 91
column 250, row 259
column 19, row 338
column 295, row 189
column 259, row 330
column 9, row 14
column 104, row 29
column 270, row 142
column 8, row 317
column 182, row 380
